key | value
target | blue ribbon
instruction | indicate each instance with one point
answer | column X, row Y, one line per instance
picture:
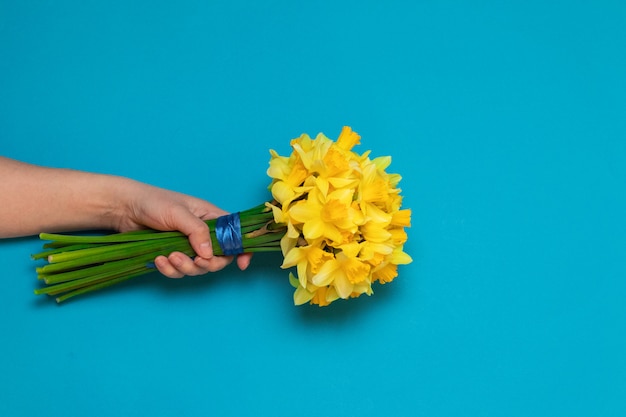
column 228, row 233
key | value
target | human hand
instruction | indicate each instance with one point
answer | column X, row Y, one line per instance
column 160, row 209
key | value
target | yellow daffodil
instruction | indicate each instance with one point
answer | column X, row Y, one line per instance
column 325, row 215
column 308, row 259
column 343, row 273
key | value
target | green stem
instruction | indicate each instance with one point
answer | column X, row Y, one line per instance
column 108, row 253
column 114, row 238
column 96, row 287
column 90, row 280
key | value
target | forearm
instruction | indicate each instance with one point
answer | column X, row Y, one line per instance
column 37, row 199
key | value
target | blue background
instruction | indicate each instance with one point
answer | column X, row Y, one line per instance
column 507, row 121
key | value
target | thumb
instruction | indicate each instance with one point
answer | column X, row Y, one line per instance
column 196, row 230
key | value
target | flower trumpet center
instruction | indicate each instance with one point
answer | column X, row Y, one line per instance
column 334, row 211
column 355, row 270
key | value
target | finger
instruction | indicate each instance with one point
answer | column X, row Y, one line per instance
column 243, row 261
column 196, row 230
column 185, row 265
column 164, row 266
column 213, row 264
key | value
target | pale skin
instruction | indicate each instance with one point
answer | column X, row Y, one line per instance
column 38, row 199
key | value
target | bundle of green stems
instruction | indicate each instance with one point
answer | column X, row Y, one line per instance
column 78, row 264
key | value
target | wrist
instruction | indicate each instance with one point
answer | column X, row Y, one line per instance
column 118, row 202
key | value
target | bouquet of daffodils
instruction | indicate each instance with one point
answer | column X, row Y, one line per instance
column 335, row 215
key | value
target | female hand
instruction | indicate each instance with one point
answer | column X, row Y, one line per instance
column 166, row 210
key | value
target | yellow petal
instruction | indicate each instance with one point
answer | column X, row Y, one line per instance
column 343, row 286
column 350, row 250
column 375, row 232
column 292, row 231
column 279, row 166
column 331, row 295
column 287, row 244
column 302, row 296
column 362, row 288
column 375, row 214
column 382, row 162
column 293, row 280
column 282, row 192
column 314, row 228
column 326, row 274
column 394, row 179
column 333, row 234
column 399, row 257
column 322, row 186
column 341, row 182
column 292, row 258
column 373, row 258
column 302, row 273
column 303, row 211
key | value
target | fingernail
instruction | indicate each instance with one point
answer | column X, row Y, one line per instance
column 206, row 251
